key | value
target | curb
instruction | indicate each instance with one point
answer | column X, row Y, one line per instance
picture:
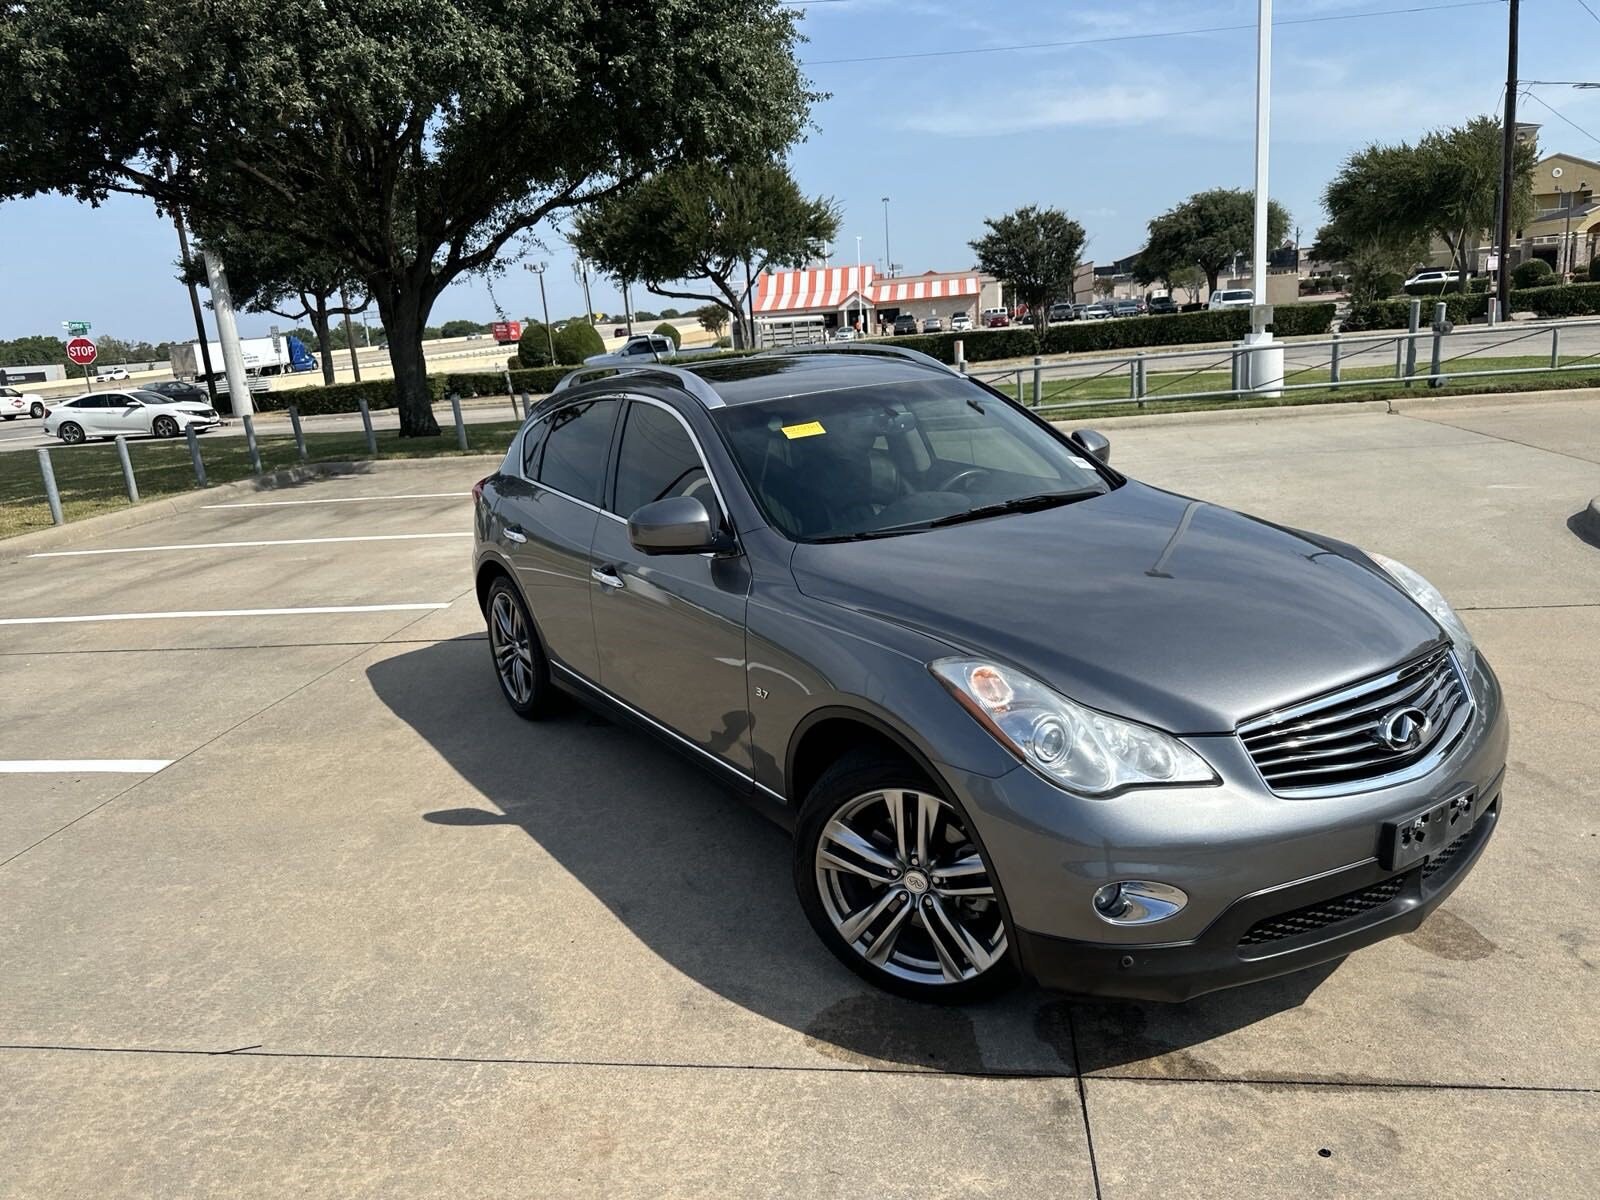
column 153, row 510
column 1404, row 404
column 1588, row 521
column 1229, row 416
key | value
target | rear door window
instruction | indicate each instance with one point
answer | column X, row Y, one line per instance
column 658, row 459
column 573, row 461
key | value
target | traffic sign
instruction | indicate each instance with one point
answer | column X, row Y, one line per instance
column 81, row 351
column 77, row 328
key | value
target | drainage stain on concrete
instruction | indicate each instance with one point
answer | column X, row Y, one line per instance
column 1446, row 935
column 871, row 1029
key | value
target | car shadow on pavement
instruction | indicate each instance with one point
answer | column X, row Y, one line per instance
column 703, row 880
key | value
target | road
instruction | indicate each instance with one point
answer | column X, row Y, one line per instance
column 347, row 927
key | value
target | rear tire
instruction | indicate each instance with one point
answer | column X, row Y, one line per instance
column 164, row 426
column 37, row 411
column 894, row 884
column 71, row 433
column 518, row 655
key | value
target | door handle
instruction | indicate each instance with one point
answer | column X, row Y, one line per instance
column 513, row 534
column 607, row 577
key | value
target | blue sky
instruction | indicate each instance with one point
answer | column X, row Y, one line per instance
column 1113, row 131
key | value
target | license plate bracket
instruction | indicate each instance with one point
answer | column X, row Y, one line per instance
column 1406, row 842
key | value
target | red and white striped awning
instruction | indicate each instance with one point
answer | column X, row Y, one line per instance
column 926, row 287
column 817, row 288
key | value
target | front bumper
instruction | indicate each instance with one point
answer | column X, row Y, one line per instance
column 1269, row 934
column 1241, row 854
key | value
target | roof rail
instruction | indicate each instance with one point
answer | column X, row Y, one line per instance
column 694, row 384
column 878, row 348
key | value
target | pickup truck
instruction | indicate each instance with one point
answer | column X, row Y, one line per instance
column 644, row 347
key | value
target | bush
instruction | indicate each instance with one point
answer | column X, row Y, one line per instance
column 1396, row 314
column 1533, row 273
column 724, row 342
column 1580, row 274
column 1560, row 300
column 533, row 348
column 665, row 329
column 577, row 341
column 379, row 393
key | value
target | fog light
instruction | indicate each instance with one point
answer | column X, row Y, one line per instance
column 1138, row 902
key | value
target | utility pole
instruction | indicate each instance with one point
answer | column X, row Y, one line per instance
column 588, row 304
column 1507, row 159
column 349, row 337
column 888, row 259
column 228, row 335
column 194, row 303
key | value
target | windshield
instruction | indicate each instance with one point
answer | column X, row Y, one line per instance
column 893, row 458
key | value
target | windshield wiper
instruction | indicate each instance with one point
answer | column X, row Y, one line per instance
column 1019, row 504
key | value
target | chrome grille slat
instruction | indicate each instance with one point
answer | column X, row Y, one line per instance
column 1333, row 743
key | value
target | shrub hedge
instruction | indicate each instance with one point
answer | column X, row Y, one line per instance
column 667, row 329
column 1130, row 333
column 379, row 393
column 1557, row 300
column 1531, row 274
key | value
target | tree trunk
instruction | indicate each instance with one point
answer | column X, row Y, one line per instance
column 1211, row 278
column 319, row 323
column 404, row 310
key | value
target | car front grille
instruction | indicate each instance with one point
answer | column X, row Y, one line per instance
column 1323, row 914
column 1335, row 742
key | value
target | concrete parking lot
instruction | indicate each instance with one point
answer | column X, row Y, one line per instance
column 341, row 925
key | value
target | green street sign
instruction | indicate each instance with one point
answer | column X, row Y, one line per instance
column 77, row 328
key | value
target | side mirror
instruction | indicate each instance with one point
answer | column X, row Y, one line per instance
column 676, row 525
column 1096, row 445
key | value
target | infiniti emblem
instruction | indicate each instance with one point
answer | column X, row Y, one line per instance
column 1403, row 729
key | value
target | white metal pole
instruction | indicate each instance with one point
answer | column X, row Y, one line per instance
column 1258, row 279
column 228, row 335
column 860, row 311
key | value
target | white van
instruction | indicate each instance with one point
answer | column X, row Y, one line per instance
column 1232, row 298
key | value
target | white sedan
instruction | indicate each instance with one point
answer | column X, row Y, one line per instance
column 107, row 414
column 14, row 404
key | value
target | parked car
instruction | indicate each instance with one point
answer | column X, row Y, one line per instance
column 1432, row 278
column 14, row 404
column 933, row 325
column 179, row 389
column 905, row 323
column 1061, row 312
column 1161, row 306
column 134, row 413
column 1127, row 308
column 997, row 320
column 960, row 322
column 1095, row 312
column 1232, row 298
column 786, row 567
column 844, row 334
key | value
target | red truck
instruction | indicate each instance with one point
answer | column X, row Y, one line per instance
column 506, row 332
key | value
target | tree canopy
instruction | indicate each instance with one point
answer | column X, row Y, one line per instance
column 412, row 140
column 1389, row 201
column 1208, row 230
column 702, row 222
column 1034, row 252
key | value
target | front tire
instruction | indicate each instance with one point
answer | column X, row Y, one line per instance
column 164, row 426
column 519, row 661
column 71, row 433
column 890, row 877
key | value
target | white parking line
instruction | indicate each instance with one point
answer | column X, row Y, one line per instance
column 370, row 537
column 340, row 500
column 206, row 613
column 83, row 766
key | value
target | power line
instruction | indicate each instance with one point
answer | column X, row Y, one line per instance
column 1140, row 37
column 1528, row 94
column 1589, row 10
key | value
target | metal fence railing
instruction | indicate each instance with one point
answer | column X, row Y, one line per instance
column 1422, row 356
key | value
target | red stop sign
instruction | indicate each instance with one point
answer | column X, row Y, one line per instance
column 81, row 351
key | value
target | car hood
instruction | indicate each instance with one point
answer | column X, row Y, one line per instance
column 1170, row 611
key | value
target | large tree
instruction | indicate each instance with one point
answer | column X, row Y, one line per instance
column 1391, row 200
column 1034, row 252
column 1209, row 230
column 702, row 222
column 414, row 140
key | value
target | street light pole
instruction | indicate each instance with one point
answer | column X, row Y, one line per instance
column 888, row 259
column 1508, row 155
column 1265, row 360
column 544, row 307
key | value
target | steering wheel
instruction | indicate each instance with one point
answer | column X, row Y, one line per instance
column 957, row 481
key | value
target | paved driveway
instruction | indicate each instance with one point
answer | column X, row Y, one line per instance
column 345, row 927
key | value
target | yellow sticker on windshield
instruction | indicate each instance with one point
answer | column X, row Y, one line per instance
column 809, row 429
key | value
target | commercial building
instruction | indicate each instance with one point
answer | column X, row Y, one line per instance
column 807, row 304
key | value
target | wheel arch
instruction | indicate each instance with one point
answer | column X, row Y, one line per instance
column 828, row 733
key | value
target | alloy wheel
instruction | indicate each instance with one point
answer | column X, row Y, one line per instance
column 512, row 643
column 907, row 889
column 165, row 427
column 71, row 434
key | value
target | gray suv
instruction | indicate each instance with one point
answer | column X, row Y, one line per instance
column 1024, row 715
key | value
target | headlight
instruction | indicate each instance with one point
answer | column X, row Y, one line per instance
column 1083, row 750
column 1432, row 602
